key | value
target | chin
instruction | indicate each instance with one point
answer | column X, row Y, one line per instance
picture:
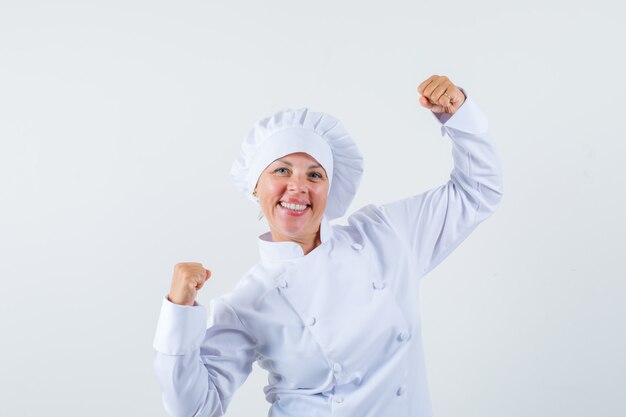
column 293, row 229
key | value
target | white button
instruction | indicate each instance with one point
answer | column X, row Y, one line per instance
column 339, row 399
column 378, row 285
column 403, row 336
column 311, row 321
column 282, row 283
column 337, row 368
column 357, row 246
column 400, row 391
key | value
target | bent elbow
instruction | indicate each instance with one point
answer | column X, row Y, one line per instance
column 489, row 202
column 211, row 406
column 186, row 392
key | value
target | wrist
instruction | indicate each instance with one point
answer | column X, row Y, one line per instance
column 181, row 302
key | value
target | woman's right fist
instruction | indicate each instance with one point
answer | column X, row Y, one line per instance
column 188, row 278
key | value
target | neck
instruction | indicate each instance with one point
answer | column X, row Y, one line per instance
column 308, row 243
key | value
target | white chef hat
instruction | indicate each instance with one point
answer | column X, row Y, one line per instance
column 302, row 130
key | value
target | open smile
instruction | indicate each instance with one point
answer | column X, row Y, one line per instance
column 293, row 209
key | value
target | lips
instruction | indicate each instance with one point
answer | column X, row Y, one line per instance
column 293, row 208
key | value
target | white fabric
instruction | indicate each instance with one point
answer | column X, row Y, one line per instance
column 300, row 130
column 338, row 330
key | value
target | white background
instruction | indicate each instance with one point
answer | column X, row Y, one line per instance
column 119, row 121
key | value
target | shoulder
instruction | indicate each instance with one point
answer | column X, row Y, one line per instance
column 367, row 214
column 232, row 308
column 370, row 219
column 369, row 223
column 249, row 287
column 254, row 289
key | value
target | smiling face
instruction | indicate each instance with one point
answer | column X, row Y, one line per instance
column 292, row 193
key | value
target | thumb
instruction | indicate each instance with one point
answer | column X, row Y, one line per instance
column 425, row 102
column 207, row 275
column 434, row 107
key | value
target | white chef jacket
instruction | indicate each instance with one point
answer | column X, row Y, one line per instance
column 338, row 330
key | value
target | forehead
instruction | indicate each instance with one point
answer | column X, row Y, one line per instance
column 298, row 158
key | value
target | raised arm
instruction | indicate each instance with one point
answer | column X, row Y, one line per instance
column 435, row 222
column 200, row 363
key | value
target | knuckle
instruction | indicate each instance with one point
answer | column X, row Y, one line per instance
column 183, row 275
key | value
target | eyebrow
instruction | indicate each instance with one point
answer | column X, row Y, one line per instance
column 290, row 164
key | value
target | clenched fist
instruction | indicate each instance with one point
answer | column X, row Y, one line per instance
column 188, row 278
column 440, row 95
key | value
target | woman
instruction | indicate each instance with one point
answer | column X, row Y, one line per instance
column 331, row 312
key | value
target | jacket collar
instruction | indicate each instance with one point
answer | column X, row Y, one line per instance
column 283, row 251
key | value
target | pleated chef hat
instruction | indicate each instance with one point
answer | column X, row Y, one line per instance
column 302, row 130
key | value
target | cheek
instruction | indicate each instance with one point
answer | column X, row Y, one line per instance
column 321, row 198
column 270, row 192
column 267, row 186
column 274, row 190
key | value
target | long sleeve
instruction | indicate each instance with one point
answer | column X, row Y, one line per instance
column 435, row 222
column 200, row 364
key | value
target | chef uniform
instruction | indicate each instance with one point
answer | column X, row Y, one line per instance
column 338, row 330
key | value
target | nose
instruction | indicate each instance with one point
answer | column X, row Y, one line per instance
column 297, row 184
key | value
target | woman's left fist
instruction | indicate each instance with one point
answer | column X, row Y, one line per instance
column 440, row 95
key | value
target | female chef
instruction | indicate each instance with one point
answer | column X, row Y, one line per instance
column 331, row 312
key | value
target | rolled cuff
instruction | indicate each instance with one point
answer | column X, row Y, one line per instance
column 180, row 329
column 468, row 118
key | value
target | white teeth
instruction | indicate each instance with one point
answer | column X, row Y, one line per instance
column 293, row 206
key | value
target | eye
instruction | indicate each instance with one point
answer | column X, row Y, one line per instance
column 316, row 175
column 281, row 171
